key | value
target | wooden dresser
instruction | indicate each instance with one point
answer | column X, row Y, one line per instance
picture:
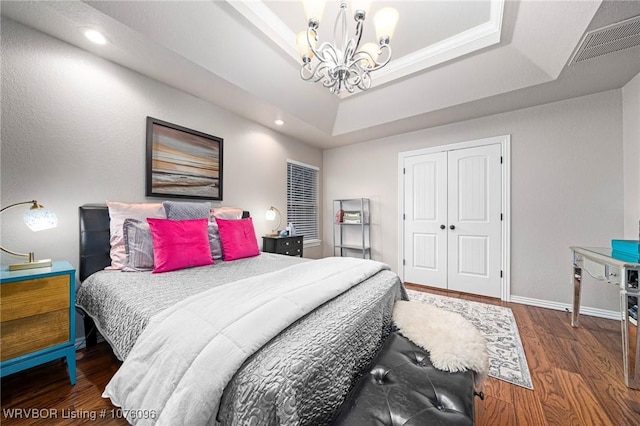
column 37, row 314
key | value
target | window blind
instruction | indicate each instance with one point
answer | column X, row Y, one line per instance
column 302, row 199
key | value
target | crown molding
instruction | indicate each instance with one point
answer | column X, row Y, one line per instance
column 479, row 37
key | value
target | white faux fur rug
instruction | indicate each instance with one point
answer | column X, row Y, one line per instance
column 507, row 359
column 453, row 342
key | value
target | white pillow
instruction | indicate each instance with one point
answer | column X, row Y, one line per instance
column 214, row 234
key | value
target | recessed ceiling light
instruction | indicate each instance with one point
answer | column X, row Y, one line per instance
column 279, row 122
column 94, row 36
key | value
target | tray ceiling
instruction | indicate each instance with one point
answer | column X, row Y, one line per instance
column 452, row 60
column 430, row 32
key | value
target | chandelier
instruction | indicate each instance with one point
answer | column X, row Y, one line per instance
column 345, row 64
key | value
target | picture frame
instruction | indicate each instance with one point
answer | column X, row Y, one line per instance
column 182, row 162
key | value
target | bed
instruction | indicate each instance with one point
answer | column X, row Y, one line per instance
column 299, row 376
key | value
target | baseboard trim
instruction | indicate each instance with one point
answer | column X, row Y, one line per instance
column 584, row 310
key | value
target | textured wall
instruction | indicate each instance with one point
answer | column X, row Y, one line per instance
column 73, row 132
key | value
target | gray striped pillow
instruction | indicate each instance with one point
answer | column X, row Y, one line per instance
column 138, row 245
column 176, row 210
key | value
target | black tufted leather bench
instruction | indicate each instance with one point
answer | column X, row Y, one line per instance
column 403, row 388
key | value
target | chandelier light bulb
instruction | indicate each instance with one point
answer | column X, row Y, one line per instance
column 313, row 9
column 362, row 5
column 371, row 53
column 303, row 45
column 385, row 22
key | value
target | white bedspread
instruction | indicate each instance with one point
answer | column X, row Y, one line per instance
column 180, row 365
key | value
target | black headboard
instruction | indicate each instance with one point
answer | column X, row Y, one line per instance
column 94, row 238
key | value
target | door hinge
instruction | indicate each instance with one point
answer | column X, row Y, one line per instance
column 501, row 216
column 500, row 274
column 404, row 216
column 501, row 159
column 404, row 171
column 404, row 262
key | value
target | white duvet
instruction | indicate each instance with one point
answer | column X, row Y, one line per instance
column 181, row 363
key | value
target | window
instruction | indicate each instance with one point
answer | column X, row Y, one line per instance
column 302, row 199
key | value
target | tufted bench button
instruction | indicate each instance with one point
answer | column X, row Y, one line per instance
column 420, row 359
column 379, row 375
column 403, row 384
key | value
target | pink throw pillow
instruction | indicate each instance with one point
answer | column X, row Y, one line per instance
column 179, row 244
column 238, row 238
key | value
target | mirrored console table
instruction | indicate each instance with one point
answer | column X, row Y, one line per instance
column 599, row 263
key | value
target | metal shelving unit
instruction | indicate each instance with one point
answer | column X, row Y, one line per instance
column 351, row 227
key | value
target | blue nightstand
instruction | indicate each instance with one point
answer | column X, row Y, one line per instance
column 37, row 310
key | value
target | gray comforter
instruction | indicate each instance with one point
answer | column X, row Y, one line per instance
column 122, row 303
column 299, row 377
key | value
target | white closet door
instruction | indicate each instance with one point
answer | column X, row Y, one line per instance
column 425, row 242
column 474, row 243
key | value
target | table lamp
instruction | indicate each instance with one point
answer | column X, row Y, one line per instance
column 37, row 218
column 271, row 215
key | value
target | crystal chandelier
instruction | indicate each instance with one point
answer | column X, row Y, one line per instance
column 345, row 64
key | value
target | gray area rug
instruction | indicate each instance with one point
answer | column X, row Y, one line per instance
column 507, row 360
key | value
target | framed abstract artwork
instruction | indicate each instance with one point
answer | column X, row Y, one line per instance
column 182, row 163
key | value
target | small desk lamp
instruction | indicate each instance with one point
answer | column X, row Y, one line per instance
column 37, row 219
column 271, row 215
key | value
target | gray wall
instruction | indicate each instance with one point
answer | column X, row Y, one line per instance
column 566, row 188
column 73, row 132
column 631, row 165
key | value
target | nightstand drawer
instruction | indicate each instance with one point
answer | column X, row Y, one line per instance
column 25, row 335
column 291, row 245
column 37, row 315
column 33, row 297
column 292, row 251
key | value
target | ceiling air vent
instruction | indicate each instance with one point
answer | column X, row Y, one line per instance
column 609, row 39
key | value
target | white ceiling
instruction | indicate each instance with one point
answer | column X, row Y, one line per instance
column 453, row 60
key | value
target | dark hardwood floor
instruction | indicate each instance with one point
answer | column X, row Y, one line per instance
column 576, row 372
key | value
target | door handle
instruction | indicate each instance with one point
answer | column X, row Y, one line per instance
column 452, row 227
column 442, row 226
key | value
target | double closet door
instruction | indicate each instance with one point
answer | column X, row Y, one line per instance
column 452, row 220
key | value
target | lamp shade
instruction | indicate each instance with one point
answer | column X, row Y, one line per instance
column 385, row 22
column 37, row 218
column 270, row 214
column 40, row 218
